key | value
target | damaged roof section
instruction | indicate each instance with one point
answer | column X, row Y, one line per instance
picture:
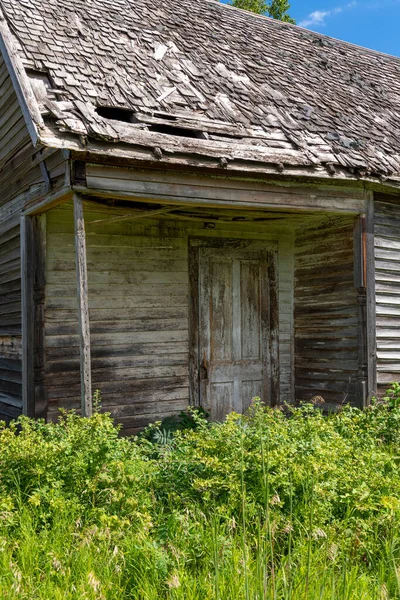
column 206, row 79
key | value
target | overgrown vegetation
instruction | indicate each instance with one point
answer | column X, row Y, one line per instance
column 264, row 506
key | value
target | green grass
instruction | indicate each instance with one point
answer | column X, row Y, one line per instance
column 263, row 506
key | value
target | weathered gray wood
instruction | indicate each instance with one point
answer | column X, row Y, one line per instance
column 326, row 311
column 39, row 297
column 141, row 318
column 359, row 282
column 370, row 296
column 238, row 325
column 20, row 81
column 28, row 349
column 185, row 189
column 387, row 288
column 83, row 308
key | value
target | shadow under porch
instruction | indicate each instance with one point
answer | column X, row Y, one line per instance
column 140, row 306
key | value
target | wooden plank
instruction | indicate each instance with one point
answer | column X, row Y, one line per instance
column 328, row 260
column 39, row 291
column 128, row 318
column 83, row 308
column 27, row 278
column 273, row 329
column 370, row 296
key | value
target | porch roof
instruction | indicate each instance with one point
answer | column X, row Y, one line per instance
column 206, row 80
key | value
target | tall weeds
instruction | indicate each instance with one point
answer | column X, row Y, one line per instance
column 261, row 507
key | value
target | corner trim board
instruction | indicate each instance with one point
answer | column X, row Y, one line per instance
column 83, row 307
column 371, row 296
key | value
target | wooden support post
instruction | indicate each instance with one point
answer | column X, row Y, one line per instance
column 371, row 295
column 83, row 307
column 39, row 297
column 359, row 283
column 27, row 279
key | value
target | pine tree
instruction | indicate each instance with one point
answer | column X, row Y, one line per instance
column 277, row 9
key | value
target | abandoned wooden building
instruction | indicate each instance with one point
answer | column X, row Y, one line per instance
column 198, row 205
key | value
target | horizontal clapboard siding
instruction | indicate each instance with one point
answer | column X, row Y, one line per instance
column 139, row 310
column 387, row 275
column 14, row 137
column 10, row 322
column 326, row 312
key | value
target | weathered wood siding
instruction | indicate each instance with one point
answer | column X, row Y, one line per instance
column 10, row 322
column 26, row 173
column 139, row 308
column 14, row 139
column 387, row 277
column 326, row 311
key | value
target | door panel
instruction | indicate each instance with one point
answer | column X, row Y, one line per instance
column 235, row 328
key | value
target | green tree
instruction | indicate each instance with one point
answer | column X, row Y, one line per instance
column 277, row 9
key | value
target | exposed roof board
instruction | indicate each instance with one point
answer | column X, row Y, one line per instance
column 204, row 78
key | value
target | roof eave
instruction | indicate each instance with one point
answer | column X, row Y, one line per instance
column 90, row 150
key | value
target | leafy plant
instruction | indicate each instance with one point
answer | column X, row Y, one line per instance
column 262, row 506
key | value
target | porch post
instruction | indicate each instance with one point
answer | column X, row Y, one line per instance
column 359, row 283
column 371, row 296
column 83, row 307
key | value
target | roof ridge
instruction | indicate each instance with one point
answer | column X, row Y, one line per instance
column 251, row 14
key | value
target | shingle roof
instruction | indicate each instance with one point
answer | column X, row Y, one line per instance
column 236, row 85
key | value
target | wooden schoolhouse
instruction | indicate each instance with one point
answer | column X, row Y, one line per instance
column 198, row 205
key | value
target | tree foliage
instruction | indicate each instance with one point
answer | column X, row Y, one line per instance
column 277, row 9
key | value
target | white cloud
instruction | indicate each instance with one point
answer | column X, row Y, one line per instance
column 318, row 17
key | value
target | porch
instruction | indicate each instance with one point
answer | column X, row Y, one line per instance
column 202, row 305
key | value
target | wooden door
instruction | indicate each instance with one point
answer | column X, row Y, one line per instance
column 237, row 327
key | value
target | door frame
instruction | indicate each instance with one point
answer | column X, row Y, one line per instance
column 271, row 248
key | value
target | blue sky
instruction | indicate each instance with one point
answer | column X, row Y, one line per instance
column 371, row 23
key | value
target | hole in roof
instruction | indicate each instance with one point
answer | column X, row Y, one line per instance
column 128, row 116
column 177, row 131
column 117, row 114
column 165, row 116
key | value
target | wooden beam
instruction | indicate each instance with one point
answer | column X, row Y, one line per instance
column 359, row 283
column 218, row 197
column 83, row 307
column 371, row 295
column 138, row 214
column 48, row 201
column 39, row 297
column 27, row 279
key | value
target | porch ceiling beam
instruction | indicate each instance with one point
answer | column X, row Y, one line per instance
column 48, row 201
column 272, row 200
column 83, row 307
column 138, row 214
